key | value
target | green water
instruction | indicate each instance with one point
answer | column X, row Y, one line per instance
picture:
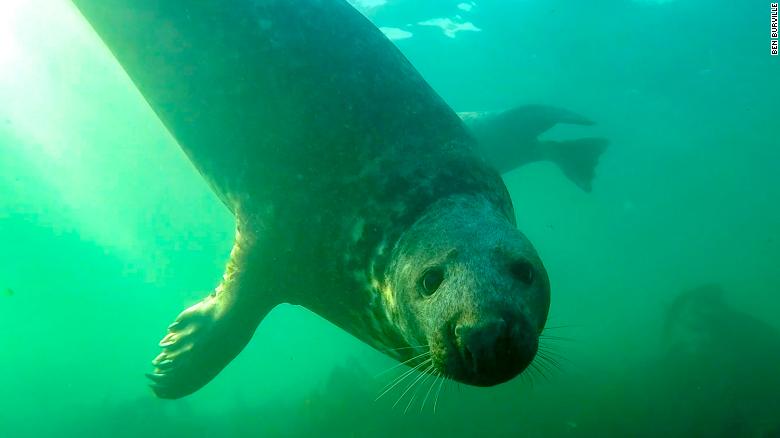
column 107, row 232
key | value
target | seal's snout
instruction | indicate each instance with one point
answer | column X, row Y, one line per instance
column 495, row 351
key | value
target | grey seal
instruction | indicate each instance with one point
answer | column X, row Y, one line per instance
column 357, row 192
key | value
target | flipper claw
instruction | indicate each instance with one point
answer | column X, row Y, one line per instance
column 167, row 341
column 160, row 357
column 155, row 377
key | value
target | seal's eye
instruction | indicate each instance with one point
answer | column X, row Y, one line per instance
column 523, row 271
column 431, row 280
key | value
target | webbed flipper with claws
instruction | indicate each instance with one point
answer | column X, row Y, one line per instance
column 208, row 335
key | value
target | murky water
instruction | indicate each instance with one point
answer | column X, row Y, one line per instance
column 107, row 231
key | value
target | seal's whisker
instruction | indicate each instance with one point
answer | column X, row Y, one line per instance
column 548, row 349
column 436, row 377
column 545, row 347
column 417, row 387
column 549, row 358
column 524, row 377
column 552, row 354
column 544, row 350
column 528, row 374
column 403, row 363
column 450, row 385
column 428, row 375
column 543, row 364
column 404, row 376
column 411, row 385
column 555, row 338
column 558, row 327
column 404, row 348
column 549, row 366
column 438, row 392
column 541, row 374
column 535, row 366
column 529, row 377
column 397, row 380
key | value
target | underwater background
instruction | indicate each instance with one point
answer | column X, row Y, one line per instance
column 665, row 279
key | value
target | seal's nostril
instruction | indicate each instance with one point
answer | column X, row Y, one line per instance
column 502, row 338
column 523, row 270
column 501, row 327
column 468, row 342
column 468, row 359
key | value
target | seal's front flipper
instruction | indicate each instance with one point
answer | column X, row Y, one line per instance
column 208, row 335
column 576, row 158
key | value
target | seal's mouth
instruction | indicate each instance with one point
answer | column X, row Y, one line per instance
column 486, row 353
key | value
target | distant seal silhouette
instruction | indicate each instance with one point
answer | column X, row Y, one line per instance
column 716, row 353
column 508, row 140
column 357, row 192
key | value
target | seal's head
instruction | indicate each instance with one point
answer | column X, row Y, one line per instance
column 465, row 282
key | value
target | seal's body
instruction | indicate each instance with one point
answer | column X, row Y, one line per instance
column 331, row 151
